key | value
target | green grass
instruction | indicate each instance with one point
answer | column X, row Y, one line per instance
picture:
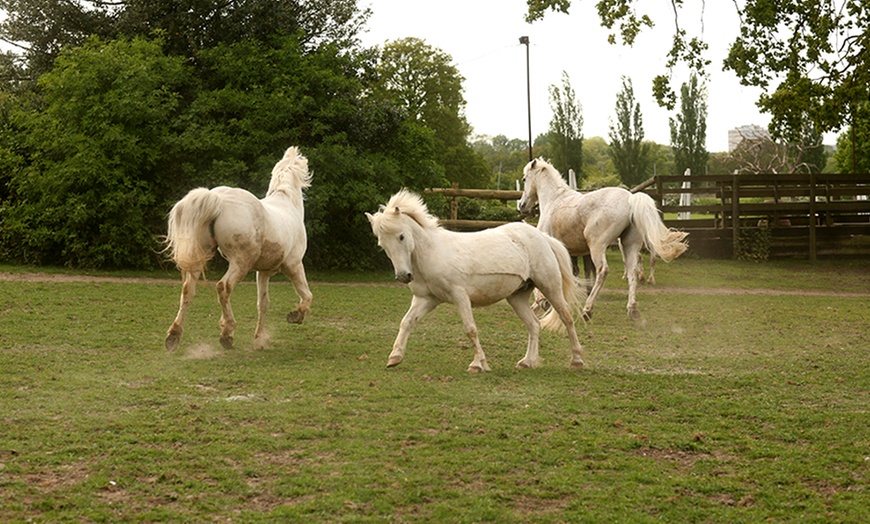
column 717, row 408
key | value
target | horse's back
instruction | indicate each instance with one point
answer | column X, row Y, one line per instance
column 601, row 215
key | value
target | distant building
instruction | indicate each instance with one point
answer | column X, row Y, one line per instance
column 751, row 132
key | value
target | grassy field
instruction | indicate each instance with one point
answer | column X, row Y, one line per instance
column 742, row 397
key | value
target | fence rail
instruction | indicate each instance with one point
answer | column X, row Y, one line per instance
column 807, row 214
column 803, row 211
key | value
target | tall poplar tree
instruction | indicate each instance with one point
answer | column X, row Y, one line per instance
column 630, row 155
column 566, row 128
column 689, row 129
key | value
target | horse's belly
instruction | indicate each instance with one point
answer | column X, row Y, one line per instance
column 484, row 290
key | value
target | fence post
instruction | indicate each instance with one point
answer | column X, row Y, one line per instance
column 735, row 215
column 454, row 204
column 812, row 224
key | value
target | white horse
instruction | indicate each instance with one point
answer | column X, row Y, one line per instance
column 590, row 222
column 473, row 270
column 265, row 235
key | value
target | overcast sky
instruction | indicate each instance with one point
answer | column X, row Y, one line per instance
column 482, row 37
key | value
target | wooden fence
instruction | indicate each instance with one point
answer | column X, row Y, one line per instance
column 805, row 215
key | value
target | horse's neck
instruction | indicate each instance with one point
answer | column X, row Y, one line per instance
column 550, row 195
column 425, row 243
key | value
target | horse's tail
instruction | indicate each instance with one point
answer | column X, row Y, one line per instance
column 571, row 289
column 666, row 243
column 190, row 239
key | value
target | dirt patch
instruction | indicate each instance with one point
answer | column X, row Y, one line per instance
column 48, row 277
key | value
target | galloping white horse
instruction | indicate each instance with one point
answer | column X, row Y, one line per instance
column 590, row 222
column 475, row 269
column 265, row 235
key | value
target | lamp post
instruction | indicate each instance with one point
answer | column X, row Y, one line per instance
column 525, row 40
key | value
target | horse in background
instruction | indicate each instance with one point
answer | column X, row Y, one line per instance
column 265, row 235
column 587, row 223
column 475, row 270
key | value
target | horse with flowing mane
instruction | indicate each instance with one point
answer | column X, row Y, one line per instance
column 265, row 235
column 587, row 223
column 474, row 270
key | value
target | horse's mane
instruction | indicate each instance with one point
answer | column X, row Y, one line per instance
column 408, row 203
column 290, row 175
column 542, row 166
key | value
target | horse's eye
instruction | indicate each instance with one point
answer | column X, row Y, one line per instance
column 401, row 238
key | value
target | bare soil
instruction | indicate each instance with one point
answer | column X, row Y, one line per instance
column 47, row 277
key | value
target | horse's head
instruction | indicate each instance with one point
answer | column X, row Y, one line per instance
column 526, row 204
column 395, row 226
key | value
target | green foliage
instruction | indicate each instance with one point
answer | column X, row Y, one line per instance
column 566, row 128
column 86, row 195
column 429, row 87
column 753, row 244
column 122, row 128
column 808, row 58
column 630, row 154
column 853, row 145
column 689, row 130
column 506, row 159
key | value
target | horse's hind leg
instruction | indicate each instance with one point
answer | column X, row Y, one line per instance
column 598, row 254
column 300, row 283
column 520, row 302
column 224, row 289
column 557, row 299
column 261, row 337
column 632, row 242
column 188, row 290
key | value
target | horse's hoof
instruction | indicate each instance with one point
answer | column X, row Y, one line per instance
column 634, row 314
column 227, row 342
column 577, row 365
column 587, row 316
column 172, row 341
column 524, row 364
column 295, row 317
column 394, row 361
column 476, row 370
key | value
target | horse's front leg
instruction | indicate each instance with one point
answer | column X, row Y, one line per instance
column 188, row 291
column 261, row 337
column 463, row 306
column 520, row 303
column 296, row 273
column 420, row 307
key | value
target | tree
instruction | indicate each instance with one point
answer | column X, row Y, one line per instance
column 853, row 145
column 430, row 89
column 806, row 56
column 40, row 29
column 87, row 193
column 628, row 151
column 122, row 130
column 689, row 130
column 566, row 128
column 505, row 157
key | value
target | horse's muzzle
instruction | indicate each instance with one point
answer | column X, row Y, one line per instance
column 404, row 278
column 524, row 208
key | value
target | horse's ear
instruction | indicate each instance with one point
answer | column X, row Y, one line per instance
column 370, row 217
column 397, row 210
column 534, row 163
